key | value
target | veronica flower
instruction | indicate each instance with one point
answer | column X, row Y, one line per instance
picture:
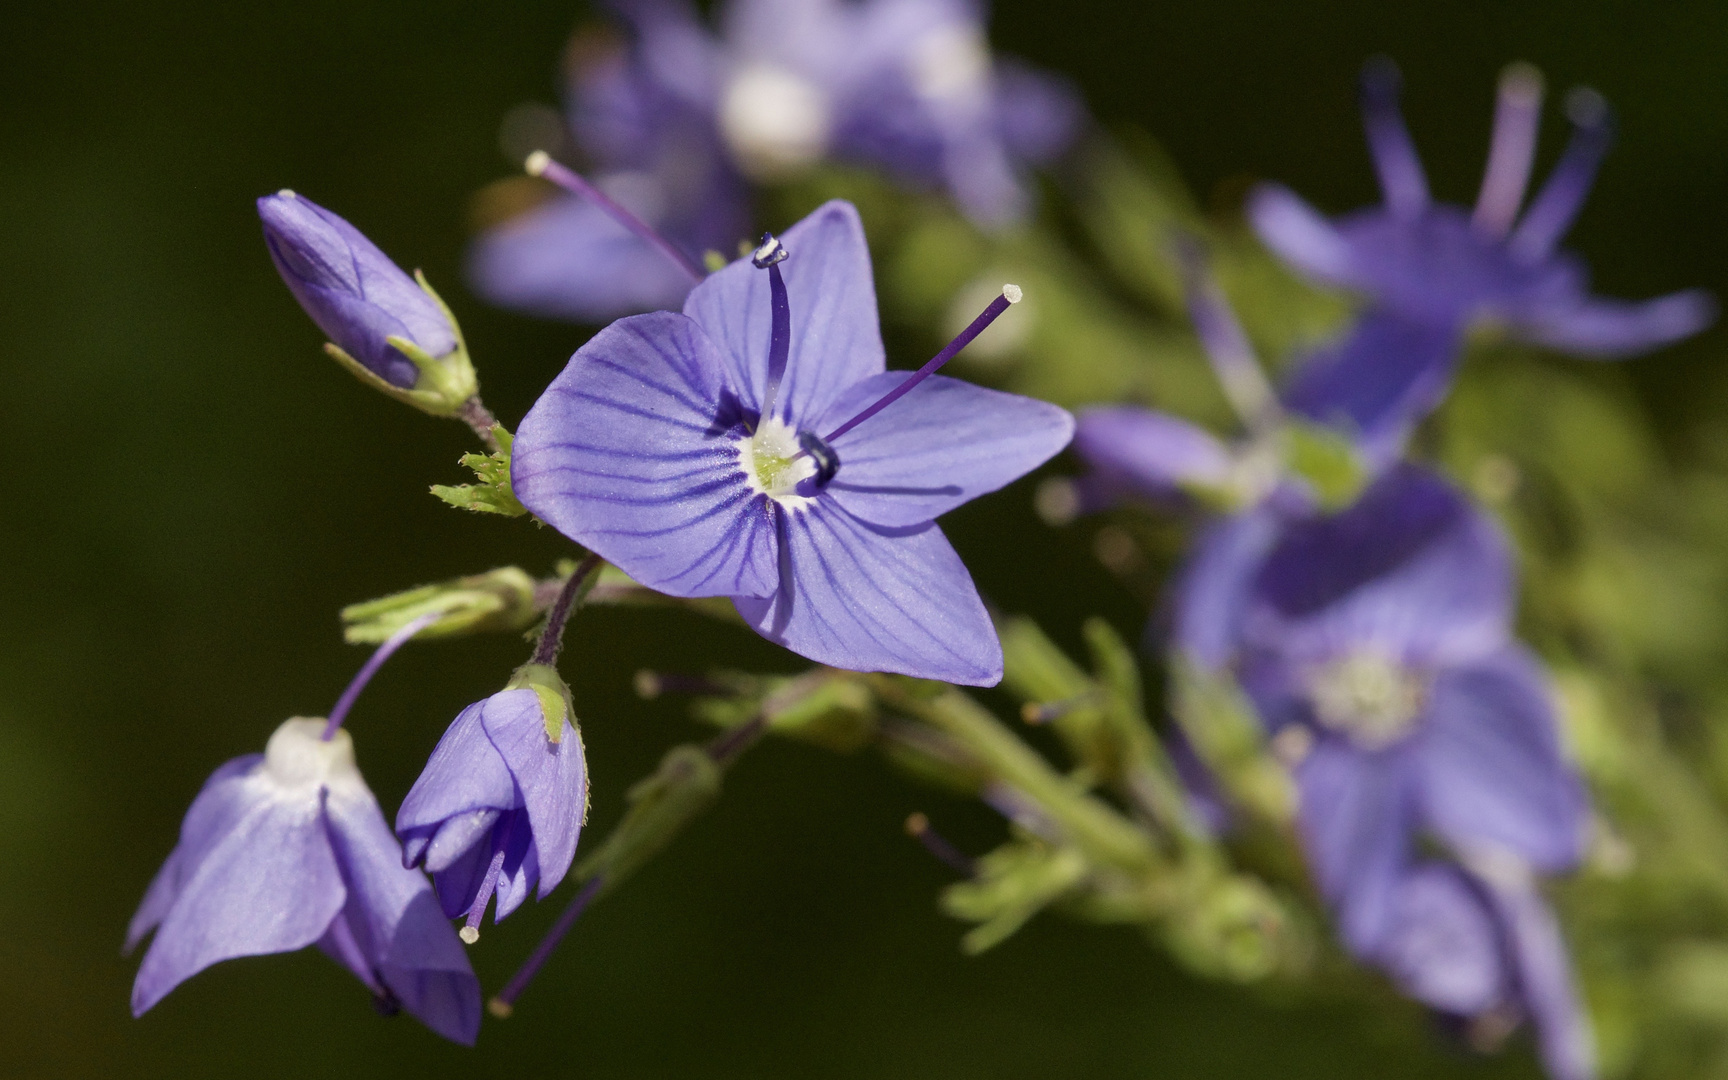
column 653, row 146
column 288, row 848
column 387, row 328
column 755, row 447
column 1376, row 645
column 1431, row 270
column 500, row 804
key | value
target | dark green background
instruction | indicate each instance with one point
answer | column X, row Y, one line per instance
column 193, row 491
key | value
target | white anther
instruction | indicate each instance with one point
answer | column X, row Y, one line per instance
column 1013, row 293
column 537, row 162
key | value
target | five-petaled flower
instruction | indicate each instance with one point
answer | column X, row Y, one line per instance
column 499, row 806
column 693, row 451
column 1431, row 270
column 287, row 849
column 1376, row 645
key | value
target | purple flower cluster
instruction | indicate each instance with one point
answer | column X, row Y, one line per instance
column 678, row 121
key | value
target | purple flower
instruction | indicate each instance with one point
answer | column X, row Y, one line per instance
column 353, row 291
column 1431, row 270
column 737, row 450
column 655, row 149
column 1376, row 646
column 498, row 808
column 286, row 849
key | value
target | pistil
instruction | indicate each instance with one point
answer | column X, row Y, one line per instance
column 769, row 257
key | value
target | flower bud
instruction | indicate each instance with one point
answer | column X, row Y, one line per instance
column 502, row 599
column 390, row 330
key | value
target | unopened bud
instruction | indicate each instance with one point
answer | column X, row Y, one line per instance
column 501, row 599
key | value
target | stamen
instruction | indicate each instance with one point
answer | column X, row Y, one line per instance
column 1557, row 204
column 1226, row 345
column 827, row 461
column 339, row 712
column 1011, row 294
column 1395, row 159
column 769, row 257
column 918, row 827
column 470, row 932
column 1512, row 148
column 540, row 163
column 504, row 1003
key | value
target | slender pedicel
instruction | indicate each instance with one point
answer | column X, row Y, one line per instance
column 504, row 1002
column 1511, row 150
column 769, row 257
column 1011, row 294
column 370, row 668
column 1552, row 211
column 540, row 163
column 1395, row 159
column 552, row 635
column 918, row 828
column 470, row 932
column 1226, row 345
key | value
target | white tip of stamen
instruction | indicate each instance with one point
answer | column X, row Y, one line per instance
column 1585, row 107
column 468, row 934
column 1521, row 81
column 537, row 162
column 287, row 193
column 1013, row 293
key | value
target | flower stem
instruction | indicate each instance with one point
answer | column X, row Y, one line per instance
column 569, row 597
column 477, row 416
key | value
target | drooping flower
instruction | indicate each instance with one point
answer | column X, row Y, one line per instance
column 287, row 849
column 755, row 447
column 652, row 144
column 384, row 326
column 1376, row 645
column 1432, row 270
column 500, row 804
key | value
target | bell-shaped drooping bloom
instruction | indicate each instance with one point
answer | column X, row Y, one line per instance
column 756, row 447
column 1376, row 645
column 1431, row 270
column 638, row 113
column 501, row 802
column 387, row 328
column 287, row 849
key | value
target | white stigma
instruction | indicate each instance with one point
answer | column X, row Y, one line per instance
column 772, row 466
column 536, row 163
column 1367, row 696
column 775, row 120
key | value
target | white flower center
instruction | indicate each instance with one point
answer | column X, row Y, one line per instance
column 772, row 466
column 948, row 62
column 298, row 757
column 775, row 120
column 1367, row 696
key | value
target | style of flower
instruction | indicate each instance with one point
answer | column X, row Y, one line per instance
column 1376, row 646
column 287, row 849
column 354, row 292
column 1431, row 270
column 755, row 447
column 498, row 808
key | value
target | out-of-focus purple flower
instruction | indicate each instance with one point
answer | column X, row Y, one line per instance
column 735, row 450
column 286, row 849
column 498, row 808
column 653, row 145
column 1378, row 640
column 352, row 290
column 1431, row 270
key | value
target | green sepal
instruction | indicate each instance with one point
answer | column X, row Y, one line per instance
column 493, row 494
column 554, row 694
column 1013, row 883
column 446, row 382
column 1327, row 460
column 501, row 599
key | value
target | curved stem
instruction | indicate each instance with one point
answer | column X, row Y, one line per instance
column 552, row 634
column 395, row 641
